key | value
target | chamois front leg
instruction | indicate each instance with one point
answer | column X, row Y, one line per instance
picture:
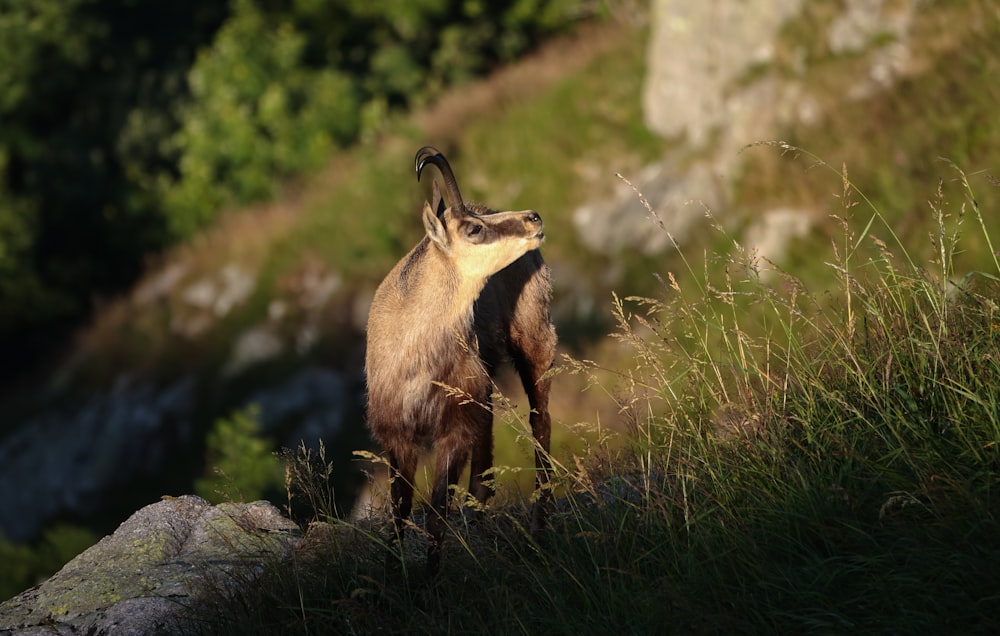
column 482, row 457
column 541, row 429
column 451, row 455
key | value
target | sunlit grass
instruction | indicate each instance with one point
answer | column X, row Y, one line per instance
column 800, row 460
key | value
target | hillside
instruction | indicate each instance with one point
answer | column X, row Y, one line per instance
column 268, row 306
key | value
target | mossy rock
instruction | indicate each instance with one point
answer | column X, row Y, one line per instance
column 146, row 576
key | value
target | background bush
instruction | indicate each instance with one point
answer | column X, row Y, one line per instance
column 239, row 464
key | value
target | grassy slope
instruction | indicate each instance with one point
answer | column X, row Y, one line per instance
column 894, row 143
column 838, row 474
column 638, row 563
column 816, row 451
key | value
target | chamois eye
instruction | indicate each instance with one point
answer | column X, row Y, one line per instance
column 475, row 229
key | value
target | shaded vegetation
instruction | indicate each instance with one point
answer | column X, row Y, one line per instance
column 26, row 565
column 239, row 463
column 127, row 126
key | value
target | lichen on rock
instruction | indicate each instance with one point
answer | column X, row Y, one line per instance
column 157, row 564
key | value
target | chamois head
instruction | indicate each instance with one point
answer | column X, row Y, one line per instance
column 480, row 242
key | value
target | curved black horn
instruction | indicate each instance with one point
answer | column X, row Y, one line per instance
column 429, row 154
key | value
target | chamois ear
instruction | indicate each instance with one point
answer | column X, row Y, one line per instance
column 437, row 202
column 435, row 228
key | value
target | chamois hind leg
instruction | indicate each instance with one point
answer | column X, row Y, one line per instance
column 541, row 429
column 402, row 471
column 531, row 366
column 450, row 456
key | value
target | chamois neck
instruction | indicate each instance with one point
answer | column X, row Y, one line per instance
column 460, row 290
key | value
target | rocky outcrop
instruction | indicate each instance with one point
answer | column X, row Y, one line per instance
column 696, row 52
column 711, row 66
column 52, row 464
column 149, row 575
column 714, row 84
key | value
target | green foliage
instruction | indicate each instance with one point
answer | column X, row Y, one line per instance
column 25, row 565
column 31, row 31
column 86, row 89
column 19, row 283
column 281, row 88
column 257, row 115
column 20, row 568
column 240, row 462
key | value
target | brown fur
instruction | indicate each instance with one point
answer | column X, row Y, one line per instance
column 451, row 311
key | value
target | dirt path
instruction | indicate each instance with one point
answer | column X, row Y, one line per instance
column 526, row 78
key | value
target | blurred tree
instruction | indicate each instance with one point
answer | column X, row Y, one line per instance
column 257, row 114
column 83, row 89
column 126, row 125
column 283, row 84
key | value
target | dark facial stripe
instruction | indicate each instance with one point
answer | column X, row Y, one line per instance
column 496, row 230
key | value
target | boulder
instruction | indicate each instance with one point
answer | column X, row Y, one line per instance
column 158, row 565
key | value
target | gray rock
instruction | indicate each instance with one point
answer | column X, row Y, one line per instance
column 696, row 51
column 678, row 200
column 53, row 464
column 211, row 298
column 147, row 576
column 315, row 399
column 771, row 234
column 253, row 346
column 700, row 54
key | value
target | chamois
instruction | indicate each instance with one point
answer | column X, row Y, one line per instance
column 472, row 293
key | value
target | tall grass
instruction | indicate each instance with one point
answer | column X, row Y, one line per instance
column 801, row 461
column 831, row 458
